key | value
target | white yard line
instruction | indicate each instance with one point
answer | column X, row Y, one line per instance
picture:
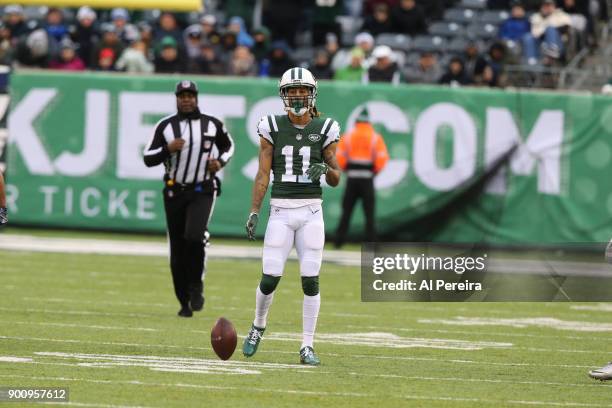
column 30, row 243
column 524, row 322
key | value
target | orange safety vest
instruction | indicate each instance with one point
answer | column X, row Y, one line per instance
column 362, row 152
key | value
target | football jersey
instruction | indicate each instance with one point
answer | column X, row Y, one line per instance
column 295, row 150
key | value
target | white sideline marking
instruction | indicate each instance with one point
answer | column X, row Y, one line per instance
column 77, row 312
column 171, row 364
column 82, row 326
column 390, row 340
column 11, row 359
column 479, row 333
column 601, row 307
column 491, row 402
column 545, row 322
column 30, row 243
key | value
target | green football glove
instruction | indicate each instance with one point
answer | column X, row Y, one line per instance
column 315, row 171
column 251, row 225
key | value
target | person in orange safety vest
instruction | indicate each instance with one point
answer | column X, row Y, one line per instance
column 361, row 154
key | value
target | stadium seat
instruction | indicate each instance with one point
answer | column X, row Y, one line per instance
column 478, row 31
column 461, row 15
column 495, row 17
column 151, row 16
column 429, row 43
column 445, row 29
column 35, row 13
column 349, row 25
column 474, row 4
column 395, row 41
column 303, row 55
column 457, row 45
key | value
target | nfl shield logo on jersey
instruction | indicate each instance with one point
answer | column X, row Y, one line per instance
column 298, row 137
column 313, row 137
column 207, row 144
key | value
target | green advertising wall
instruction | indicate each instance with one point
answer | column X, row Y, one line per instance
column 466, row 164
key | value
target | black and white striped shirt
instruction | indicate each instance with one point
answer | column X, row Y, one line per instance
column 206, row 138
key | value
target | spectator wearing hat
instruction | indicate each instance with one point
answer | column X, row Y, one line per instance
column 515, row 26
column 426, row 71
column 384, row 69
column 408, row 18
column 126, row 32
column 355, row 70
column 85, row 34
column 379, row 22
column 363, row 40
column 168, row 59
column 6, row 45
column 280, row 59
column 134, row 59
column 455, row 74
column 236, row 26
column 192, row 40
column 106, row 60
column 209, row 61
column 54, row 24
column 361, row 154
column 321, row 67
column 208, row 22
column 242, row 62
column 67, row 60
column 261, row 43
column 168, row 26
column 15, row 21
column 545, row 33
column 34, row 50
column 109, row 41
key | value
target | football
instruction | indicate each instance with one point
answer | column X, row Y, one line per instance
column 223, row 338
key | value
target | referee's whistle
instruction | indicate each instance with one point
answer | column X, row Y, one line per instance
column 170, row 183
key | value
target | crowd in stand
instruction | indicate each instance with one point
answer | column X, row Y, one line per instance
column 118, row 40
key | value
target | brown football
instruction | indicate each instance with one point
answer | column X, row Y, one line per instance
column 223, row 338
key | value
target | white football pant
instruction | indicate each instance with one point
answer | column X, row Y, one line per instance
column 301, row 226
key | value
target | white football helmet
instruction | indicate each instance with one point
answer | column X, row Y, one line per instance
column 298, row 77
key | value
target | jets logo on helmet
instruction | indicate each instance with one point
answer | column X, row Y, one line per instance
column 298, row 77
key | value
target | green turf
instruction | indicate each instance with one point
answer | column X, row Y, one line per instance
column 119, row 305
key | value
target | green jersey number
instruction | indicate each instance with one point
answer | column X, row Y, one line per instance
column 288, row 176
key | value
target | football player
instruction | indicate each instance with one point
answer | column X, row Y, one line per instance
column 299, row 148
column 3, row 210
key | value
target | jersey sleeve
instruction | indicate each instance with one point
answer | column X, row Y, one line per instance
column 225, row 143
column 156, row 150
column 263, row 128
column 332, row 135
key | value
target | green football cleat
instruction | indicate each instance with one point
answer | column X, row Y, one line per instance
column 251, row 341
column 308, row 356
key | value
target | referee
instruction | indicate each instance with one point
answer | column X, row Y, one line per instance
column 193, row 147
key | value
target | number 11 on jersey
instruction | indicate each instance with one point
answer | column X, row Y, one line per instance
column 288, row 176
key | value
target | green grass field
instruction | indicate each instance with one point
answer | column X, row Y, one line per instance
column 106, row 328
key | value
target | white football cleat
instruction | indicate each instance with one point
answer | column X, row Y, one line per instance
column 603, row 373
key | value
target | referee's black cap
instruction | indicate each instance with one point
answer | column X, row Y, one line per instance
column 186, row 86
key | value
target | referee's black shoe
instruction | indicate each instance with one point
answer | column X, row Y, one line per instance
column 185, row 311
column 196, row 297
